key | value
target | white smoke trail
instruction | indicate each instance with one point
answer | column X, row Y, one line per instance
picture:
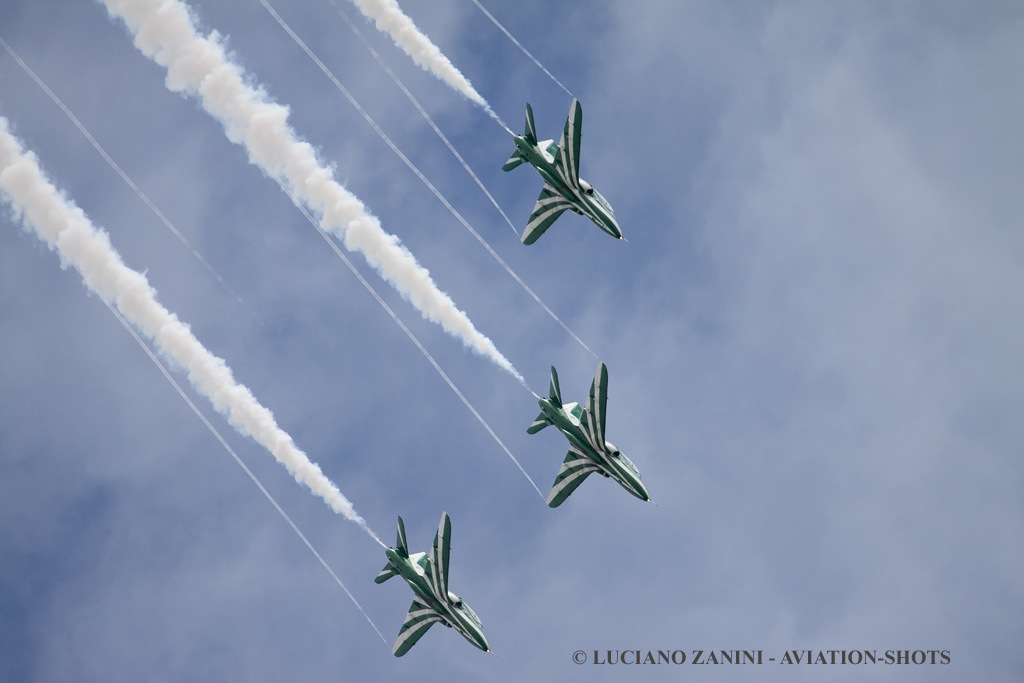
column 390, row 19
column 412, row 167
column 520, row 46
column 117, row 169
column 451, row 148
column 164, row 31
column 245, row 468
column 415, row 340
column 66, row 229
column 408, row 95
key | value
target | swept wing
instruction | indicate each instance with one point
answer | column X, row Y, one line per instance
column 417, row 621
column 575, row 468
column 596, row 404
column 548, row 208
column 569, row 146
column 437, row 561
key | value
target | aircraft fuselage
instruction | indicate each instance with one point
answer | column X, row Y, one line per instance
column 611, row 462
column 456, row 614
column 586, row 200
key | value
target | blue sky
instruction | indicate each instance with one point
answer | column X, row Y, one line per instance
column 813, row 339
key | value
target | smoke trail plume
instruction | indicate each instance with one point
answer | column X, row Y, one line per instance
column 117, row 169
column 65, row 229
column 245, row 468
column 389, row 18
column 426, row 354
column 412, row 167
column 164, row 31
column 451, row 148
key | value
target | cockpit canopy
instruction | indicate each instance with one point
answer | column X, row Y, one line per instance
column 603, row 202
column 463, row 607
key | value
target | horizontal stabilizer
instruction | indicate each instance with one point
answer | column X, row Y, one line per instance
column 540, row 423
column 385, row 574
column 513, row 161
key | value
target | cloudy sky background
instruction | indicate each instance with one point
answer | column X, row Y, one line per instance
column 813, row 337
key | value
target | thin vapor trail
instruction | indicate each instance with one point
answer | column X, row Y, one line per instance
column 416, row 103
column 245, row 468
column 520, row 46
column 415, row 340
column 408, row 162
column 197, row 65
column 66, row 229
column 390, row 19
column 117, row 169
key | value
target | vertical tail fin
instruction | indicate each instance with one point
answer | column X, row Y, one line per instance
column 400, row 544
column 555, row 392
column 530, row 135
column 531, row 131
column 389, row 569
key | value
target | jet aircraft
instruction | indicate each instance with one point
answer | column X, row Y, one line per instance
column 427, row 575
column 559, row 166
column 588, row 451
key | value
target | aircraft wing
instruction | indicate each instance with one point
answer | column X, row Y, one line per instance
column 575, row 469
column 549, row 207
column 437, row 563
column 596, row 406
column 417, row 621
column 569, row 159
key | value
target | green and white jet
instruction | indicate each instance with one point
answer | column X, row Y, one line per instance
column 427, row 575
column 588, row 451
column 559, row 166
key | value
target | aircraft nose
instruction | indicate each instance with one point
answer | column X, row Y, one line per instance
column 616, row 230
column 635, row 486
